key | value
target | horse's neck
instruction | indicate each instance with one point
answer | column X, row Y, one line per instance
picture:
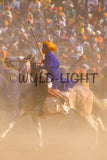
column 33, row 69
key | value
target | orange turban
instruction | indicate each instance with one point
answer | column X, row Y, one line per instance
column 61, row 13
column 105, row 14
column 36, row 1
column 51, row 46
column 60, row 8
column 99, row 39
column 47, row 20
column 98, row 56
column 8, row 7
column 6, row 23
column 94, row 70
column 84, row 37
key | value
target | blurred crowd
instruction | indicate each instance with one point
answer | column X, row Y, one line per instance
column 77, row 27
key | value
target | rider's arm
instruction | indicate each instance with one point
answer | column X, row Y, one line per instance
column 48, row 62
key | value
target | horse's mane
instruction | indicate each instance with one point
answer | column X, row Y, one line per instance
column 36, row 69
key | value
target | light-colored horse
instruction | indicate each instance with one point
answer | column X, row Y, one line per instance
column 80, row 100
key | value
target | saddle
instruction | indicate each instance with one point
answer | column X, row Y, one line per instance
column 56, row 93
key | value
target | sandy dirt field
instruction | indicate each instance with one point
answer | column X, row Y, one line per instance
column 71, row 139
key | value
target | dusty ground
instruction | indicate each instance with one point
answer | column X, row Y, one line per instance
column 71, row 140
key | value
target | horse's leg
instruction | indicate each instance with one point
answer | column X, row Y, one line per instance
column 39, row 130
column 13, row 122
column 99, row 120
column 94, row 125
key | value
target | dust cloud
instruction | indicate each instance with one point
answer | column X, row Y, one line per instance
column 69, row 139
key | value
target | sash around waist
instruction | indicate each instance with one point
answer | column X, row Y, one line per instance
column 54, row 69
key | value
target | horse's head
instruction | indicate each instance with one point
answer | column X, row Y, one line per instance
column 14, row 62
column 23, row 63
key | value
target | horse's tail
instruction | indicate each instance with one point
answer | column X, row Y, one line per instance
column 100, row 103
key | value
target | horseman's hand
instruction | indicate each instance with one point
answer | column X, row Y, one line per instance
column 42, row 61
column 41, row 64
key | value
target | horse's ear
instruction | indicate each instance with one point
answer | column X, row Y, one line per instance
column 29, row 57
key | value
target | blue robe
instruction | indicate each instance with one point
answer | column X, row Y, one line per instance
column 59, row 82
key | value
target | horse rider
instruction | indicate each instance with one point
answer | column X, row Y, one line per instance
column 51, row 65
